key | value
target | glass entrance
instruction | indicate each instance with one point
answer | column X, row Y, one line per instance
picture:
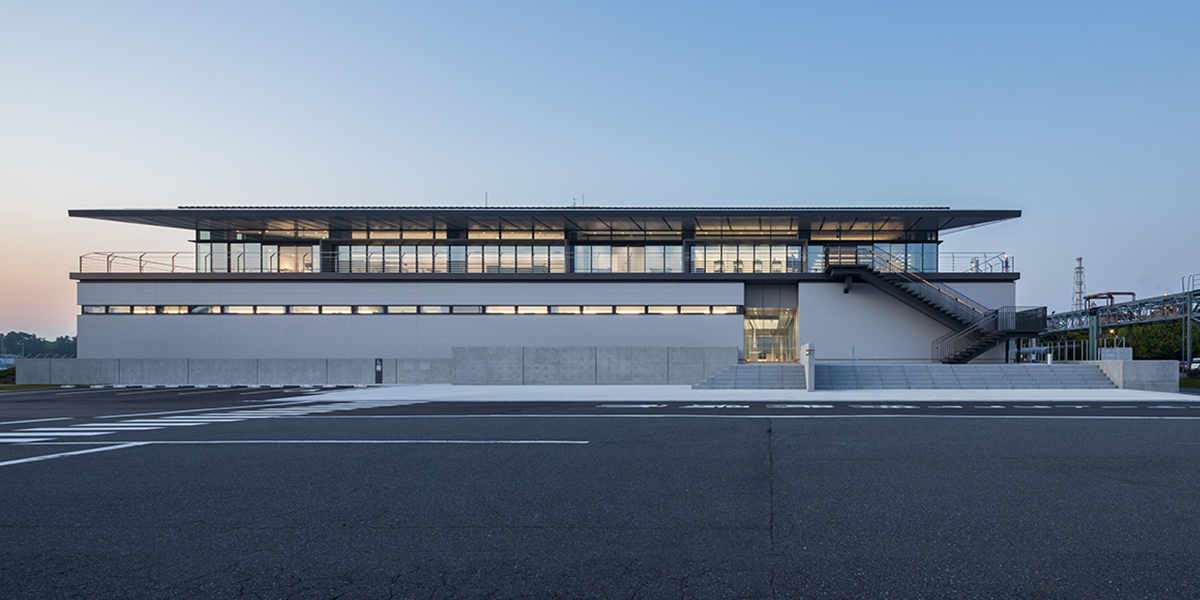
column 770, row 335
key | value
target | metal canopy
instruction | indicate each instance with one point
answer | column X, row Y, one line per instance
column 633, row 220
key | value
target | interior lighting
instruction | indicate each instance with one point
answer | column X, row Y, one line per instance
column 597, row 310
column 631, row 310
column 663, row 310
column 304, row 310
column 270, row 310
column 335, row 310
column 501, row 310
column 693, row 310
column 724, row 310
column 565, row 310
column 369, row 310
column 402, row 310
column 532, row 310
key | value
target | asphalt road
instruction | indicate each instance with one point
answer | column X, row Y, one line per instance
column 299, row 498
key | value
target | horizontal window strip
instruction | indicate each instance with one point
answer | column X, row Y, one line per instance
column 257, row 310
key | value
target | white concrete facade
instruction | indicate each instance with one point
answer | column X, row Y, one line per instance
column 870, row 325
column 417, row 336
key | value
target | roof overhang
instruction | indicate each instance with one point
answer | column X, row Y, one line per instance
column 569, row 219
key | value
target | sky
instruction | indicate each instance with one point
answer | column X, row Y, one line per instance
column 1084, row 115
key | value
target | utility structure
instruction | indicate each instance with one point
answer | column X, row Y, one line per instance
column 1184, row 306
column 1077, row 299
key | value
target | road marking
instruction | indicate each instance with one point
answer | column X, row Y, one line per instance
column 23, row 440
column 631, row 406
column 149, row 391
column 166, row 423
column 799, row 406
column 115, row 427
column 751, row 416
column 193, row 410
column 885, row 406
column 85, row 391
column 73, row 453
column 238, row 442
column 945, row 406
column 1124, row 407
column 203, row 392
column 36, row 420
column 706, row 406
column 53, row 432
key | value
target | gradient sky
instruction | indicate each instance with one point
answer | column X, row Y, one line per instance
column 1085, row 115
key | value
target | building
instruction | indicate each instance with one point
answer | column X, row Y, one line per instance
column 426, row 291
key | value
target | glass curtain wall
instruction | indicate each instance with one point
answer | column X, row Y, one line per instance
column 770, row 335
column 628, row 259
column 747, row 259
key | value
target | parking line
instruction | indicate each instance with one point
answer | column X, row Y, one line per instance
column 73, row 453
column 36, row 420
column 212, row 408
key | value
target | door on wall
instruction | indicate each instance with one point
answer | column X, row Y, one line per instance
column 770, row 335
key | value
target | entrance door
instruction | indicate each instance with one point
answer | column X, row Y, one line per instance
column 770, row 335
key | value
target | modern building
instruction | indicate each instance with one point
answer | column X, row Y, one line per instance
column 427, row 290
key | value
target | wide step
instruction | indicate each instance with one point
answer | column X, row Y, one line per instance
column 756, row 377
column 961, row 377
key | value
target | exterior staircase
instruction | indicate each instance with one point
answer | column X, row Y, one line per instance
column 975, row 328
column 756, row 377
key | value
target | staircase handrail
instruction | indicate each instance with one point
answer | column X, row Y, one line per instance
column 952, row 342
column 967, row 309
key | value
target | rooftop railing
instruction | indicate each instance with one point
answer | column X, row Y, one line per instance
column 526, row 259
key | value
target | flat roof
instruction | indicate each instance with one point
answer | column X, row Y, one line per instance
column 630, row 219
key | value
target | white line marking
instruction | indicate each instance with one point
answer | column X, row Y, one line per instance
column 149, row 391
column 235, row 442
column 23, row 440
column 165, row 424
column 87, row 391
column 631, row 406
column 36, row 420
column 115, row 427
column 192, row 410
column 74, row 453
column 785, row 416
column 716, row 406
column 202, row 392
column 54, row 432
column 799, row 406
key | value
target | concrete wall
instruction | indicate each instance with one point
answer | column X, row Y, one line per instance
column 1146, row 375
column 589, row 365
column 513, row 365
column 876, row 327
column 428, row 337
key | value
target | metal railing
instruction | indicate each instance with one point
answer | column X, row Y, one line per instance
column 1006, row 319
column 962, row 307
column 1068, row 350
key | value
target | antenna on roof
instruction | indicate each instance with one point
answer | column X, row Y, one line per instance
column 485, row 199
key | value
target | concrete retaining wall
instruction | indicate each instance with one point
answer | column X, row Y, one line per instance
column 1146, row 375
column 588, row 365
column 488, row 365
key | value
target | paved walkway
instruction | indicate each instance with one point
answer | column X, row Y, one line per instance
column 658, row 393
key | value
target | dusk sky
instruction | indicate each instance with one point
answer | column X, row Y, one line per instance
column 1085, row 115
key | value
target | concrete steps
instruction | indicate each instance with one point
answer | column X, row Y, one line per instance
column 755, row 377
column 961, row 377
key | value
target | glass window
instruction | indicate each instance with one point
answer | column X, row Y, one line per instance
column 335, row 310
column 369, row 310
column 239, row 310
column 693, row 310
column 435, row 310
column 206, row 310
column 564, row 310
column 724, row 310
column 304, row 310
column 144, row 310
column 173, row 310
column 119, row 310
column 597, row 310
column 270, row 310
column 402, row 310
column 663, row 310
column 94, row 310
column 631, row 310
column 467, row 310
column 532, row 310
column 501, row 310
